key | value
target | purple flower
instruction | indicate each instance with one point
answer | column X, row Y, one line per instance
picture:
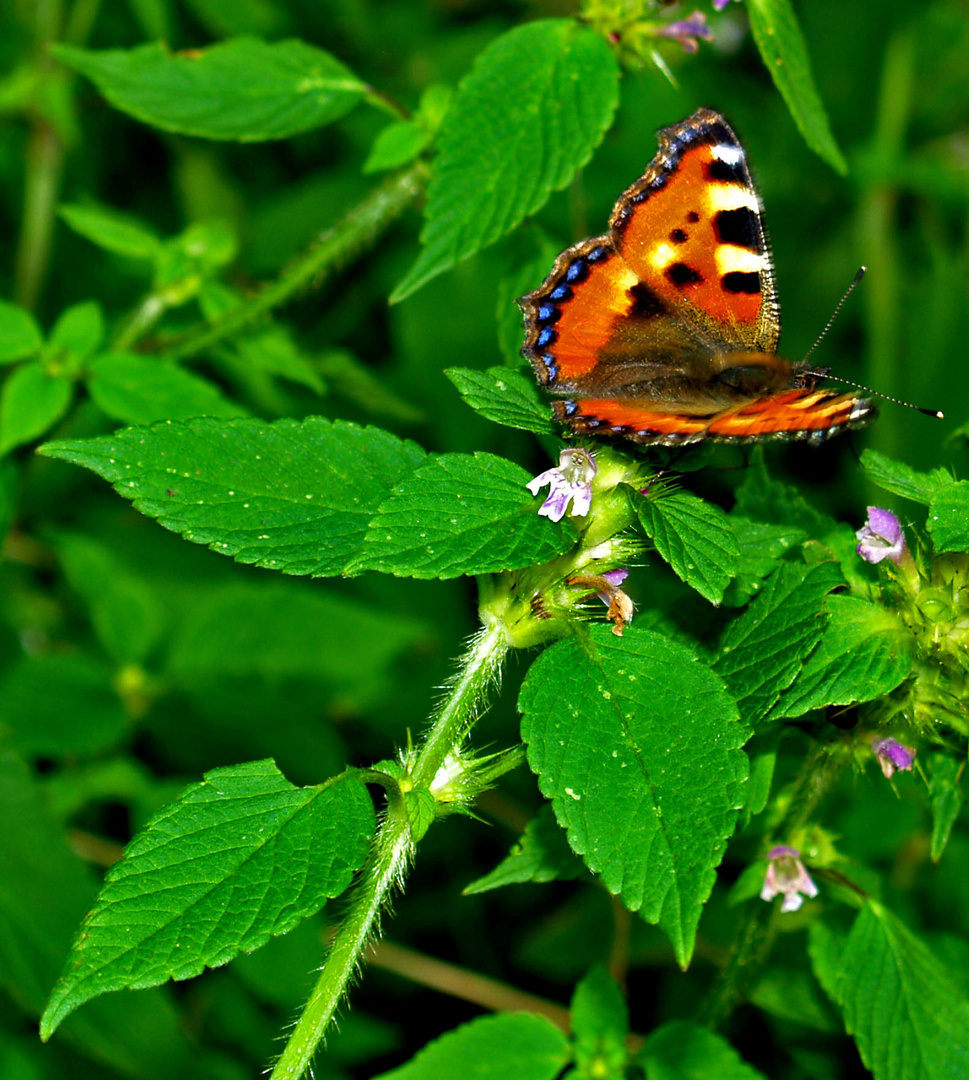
column 893, row 756
column 881, row 537
column 720, row 5
column 569, row 481
column 786, row 874
column 686, row 31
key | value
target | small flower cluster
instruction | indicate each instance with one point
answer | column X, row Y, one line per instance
column 787, row 876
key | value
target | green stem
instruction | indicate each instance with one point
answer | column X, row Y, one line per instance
column 754, row 935
column 357, row 232
column 391, row 852
column 144, row 317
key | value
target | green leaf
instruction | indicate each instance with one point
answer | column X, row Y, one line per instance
column 31, row 403
column 762, row 498
column 241, row 856
column 125, row 611
column 908, row 1017
column 460, row 514
column 694, row 536
column 274, row 351
column 762, row 651
column 599, row 1021
column 946, row 799
column 505, row 396
column 685, row 1051
column 79, row 329
column 112, row 231
column 517, row 1045
column 866, row 651
column 20, row 335
column 354, row 381
column 782, row 47
column 542, row 854
column 523, row 122
column 762, row 546
column 58, row 704
column 136, row 390
column 903, row 480
column 637, row 744
column 291, row 496
column 948, row 519
column 288, row 87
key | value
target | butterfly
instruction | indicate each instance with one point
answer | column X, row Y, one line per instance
column 664, row 330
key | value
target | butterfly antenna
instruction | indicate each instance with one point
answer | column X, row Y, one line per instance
column 851, row 288
column 824, row 374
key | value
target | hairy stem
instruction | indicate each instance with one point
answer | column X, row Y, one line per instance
column 390, row 853
column 338, row 246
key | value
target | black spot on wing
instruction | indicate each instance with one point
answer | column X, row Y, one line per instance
column 645, row 303
column 678, row 236
column 738, row 227
column 692, row 217
column 726, row 172
column 738, row 281
column 680, row 274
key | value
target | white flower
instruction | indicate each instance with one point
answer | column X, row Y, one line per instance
column 569, row 481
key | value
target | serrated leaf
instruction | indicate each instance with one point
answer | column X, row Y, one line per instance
column 908, row 1017
column 79, row 329
column 274, row 351
column 523, row 122
column 542, row 854
column 289, row 87
column 865, row 651
column 694, row 536
column 505, row 396
column 136, row 390
column 948, row 519
column 112, row 231
column 241, row 856
column 685, row 1051
column 292, row 496
column 461, row 514
column 762, row 498
column 518, row 1045
column 59, row 704
column 31, row 403
column 782, row 47
column 762, row 546
column 903, row 480
column 637, row 744
column 20, row 335
column 946, row 799
column 762, row 651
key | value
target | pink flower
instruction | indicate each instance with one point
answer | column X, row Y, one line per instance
column 720, row 5
column 686, row 31
column 786, row 874
column 881, row 537
column 893, row 756
column 569, row 481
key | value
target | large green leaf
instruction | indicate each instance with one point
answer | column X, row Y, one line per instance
column 505, row 396
column 948, row 519
column 762, row 651
column 20, row 335
column 241, row 856
column 31, row 402
column 292, row 496
column 461, row 514
column 684, row 1051
column 865, row 652
column 784, row 51
column 286, row 87
column 637, row 744
column 901, row 479
column 694, row 536
column 517, row 1045
column 523, row 122
column 908, row 1016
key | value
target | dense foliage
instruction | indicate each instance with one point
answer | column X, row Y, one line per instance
column 262, row 260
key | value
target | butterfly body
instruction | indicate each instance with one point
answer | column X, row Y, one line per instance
column 664, row 330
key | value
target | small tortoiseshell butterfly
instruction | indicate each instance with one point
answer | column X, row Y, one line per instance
column 665, row 329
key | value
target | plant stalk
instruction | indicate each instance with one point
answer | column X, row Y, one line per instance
column 390, row 853
column 358, row 231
